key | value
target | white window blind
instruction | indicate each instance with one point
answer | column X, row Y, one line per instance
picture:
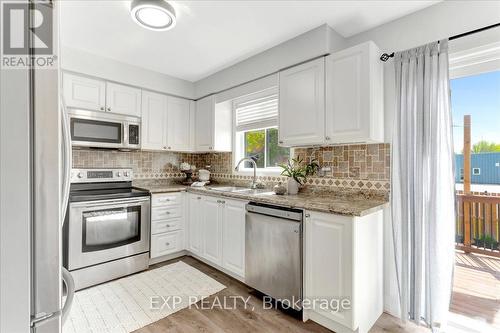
column 259, row 112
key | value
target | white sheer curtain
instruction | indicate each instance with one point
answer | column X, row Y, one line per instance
column 423, row 189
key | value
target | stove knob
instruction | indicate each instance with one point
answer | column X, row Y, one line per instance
column 118, row 174
column 80, row 175
column 126, row 174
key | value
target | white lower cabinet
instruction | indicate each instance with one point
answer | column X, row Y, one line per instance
column 233, row 236
column 195, row 216
column 216, row 230
column 212, row 229
column 167, row 224
column 166, row 243
column 343, row 263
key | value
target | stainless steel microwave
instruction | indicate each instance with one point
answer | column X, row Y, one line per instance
column 104, row 130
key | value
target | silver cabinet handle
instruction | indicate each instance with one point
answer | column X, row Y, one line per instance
column 164, row 200
column 308, row 215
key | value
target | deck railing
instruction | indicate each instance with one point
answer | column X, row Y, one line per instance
column 478, row 228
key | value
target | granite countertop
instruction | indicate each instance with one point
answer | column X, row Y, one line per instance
column 349, row 204
column 328, row 202
column 159, row 186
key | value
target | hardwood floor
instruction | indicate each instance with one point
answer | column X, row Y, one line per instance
column 243, row 319
column 476, row 288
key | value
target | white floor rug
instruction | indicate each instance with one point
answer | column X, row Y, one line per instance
column 125, row 305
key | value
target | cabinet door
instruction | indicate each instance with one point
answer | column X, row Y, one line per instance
column 233, row 236
column 195, row 204
column 354, row 111
column 123, row 99
column 211, row 213
column 154, row 121
column 84, row 93
column 302, row 104
column 179, row 124
column 204, row 124
column 166, row 243
column 328, row 271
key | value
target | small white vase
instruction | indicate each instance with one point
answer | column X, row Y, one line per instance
column 293, row 186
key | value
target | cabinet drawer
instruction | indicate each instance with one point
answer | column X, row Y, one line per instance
column 167, row 199
column 158, row 227
column 163, row 213
column 166, row 243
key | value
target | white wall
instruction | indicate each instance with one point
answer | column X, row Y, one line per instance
column 311, row 44
column 106, row 68
column 433, row 23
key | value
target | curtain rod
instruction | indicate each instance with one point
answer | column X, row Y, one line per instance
column 384, row 57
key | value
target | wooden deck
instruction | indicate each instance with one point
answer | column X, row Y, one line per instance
column 476, row 289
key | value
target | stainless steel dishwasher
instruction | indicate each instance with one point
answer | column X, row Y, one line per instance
column 273, row 252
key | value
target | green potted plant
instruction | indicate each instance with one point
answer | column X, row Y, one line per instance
column 297, row 173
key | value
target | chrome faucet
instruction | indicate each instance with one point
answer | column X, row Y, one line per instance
column 254, row 182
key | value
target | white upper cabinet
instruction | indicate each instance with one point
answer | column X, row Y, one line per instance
column 98, row 95
column 123, row 99
column 167, row 122
column 336, row 99
column 354, row 100
column 179, row 124
column 204, row 124
column 213, row 125
column 154, row 121
column 84, row 93
column 302, row 104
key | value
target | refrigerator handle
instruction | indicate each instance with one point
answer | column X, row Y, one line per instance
column 66, row 136
column 70, row 293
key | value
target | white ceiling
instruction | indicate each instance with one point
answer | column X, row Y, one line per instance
column 212, row 35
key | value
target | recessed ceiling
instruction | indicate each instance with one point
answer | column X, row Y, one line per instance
column 212, row 35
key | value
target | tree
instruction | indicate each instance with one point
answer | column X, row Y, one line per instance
column 485, row 147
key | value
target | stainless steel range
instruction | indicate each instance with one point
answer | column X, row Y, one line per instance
column 107, row 231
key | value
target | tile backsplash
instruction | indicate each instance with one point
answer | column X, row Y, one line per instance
column 353, row 167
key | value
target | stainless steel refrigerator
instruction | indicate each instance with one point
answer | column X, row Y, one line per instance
column 35, row 153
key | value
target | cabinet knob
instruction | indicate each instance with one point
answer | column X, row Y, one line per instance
column 168, row 225
column 169, row 147
column 210, row 148
column 308, row 215
column 280, row 141
column 109, row 109
column 327, row 138
column 102, row 108
column 198, row 198
column 167, row 244
column 164, row 147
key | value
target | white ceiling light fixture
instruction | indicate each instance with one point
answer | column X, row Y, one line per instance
column 156, row 15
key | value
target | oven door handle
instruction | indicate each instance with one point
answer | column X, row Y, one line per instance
column 111, row 202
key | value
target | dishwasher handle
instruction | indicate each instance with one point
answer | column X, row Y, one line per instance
column 275, row 211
